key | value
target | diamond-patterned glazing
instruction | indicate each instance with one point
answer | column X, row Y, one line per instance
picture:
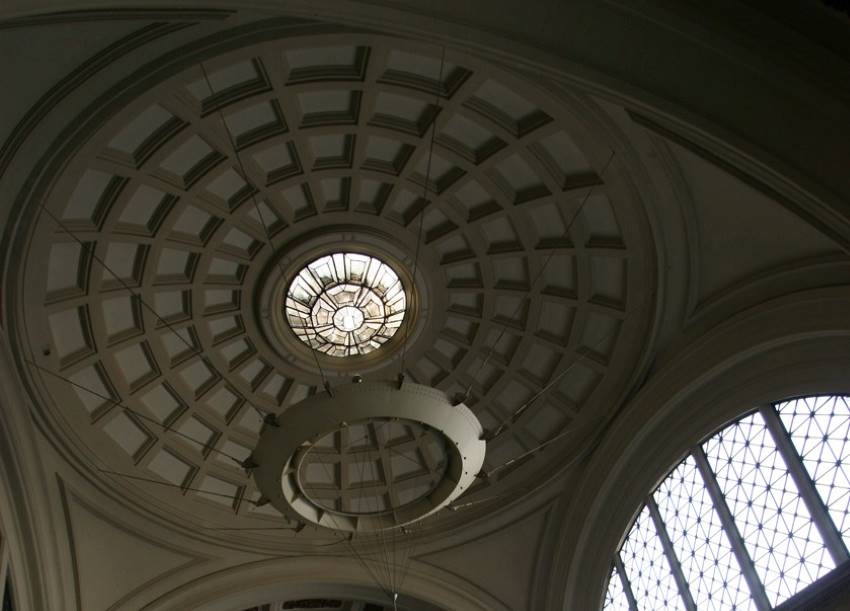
column 773, row 520
column 820, row 428
column 615, row 595
column 708, row 563
column 652, row 582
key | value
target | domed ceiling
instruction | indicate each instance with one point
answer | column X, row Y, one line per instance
column 152, row 278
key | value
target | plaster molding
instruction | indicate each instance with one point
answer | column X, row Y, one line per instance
column 256, row 583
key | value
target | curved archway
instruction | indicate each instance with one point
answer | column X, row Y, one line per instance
column 427, row 588
column 789, row 347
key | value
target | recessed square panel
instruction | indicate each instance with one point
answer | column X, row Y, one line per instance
column 124, row 265
column 222, row 86
column 329, row 107
column 144, row 210
column 143, row 135
column 440, row 172
column 300, row 200
column 218, row 490
column 236, row 352
column 565, row 161
column 136, row 365
column 223, row 401
column 326, row 63
column 170, row 468
column 429, row 73
column 68, row 270
column 229, row 188
column 386, row 155
column 172, row 306
column 93, row 389
column 476, row 199
column 194, row 429
column 71, row 333
column 90, row 199
column 122, row 317
column 225, row 271
column 190, row 160
column 194, row 225
column 255, row 123
column 180, row 344
column 403, row 113
column 163, row 403
column 220, row 300
column 230, row 452
column 520, row 181
column 469, row 139
column 507, row 109
column 237, row 240
column 199, row 376
column 332, row 151
column 129, row 435
column 577, row 384
column 175, row 266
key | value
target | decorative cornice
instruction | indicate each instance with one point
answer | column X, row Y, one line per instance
column 803, row 205
column 75, row 79
column 128, row 14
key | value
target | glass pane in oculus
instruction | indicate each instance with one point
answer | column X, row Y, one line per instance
column 699, row 541
column 345, row 304
column 773, row 520
column 647, row 569
column 819, row 428
column 615, row 596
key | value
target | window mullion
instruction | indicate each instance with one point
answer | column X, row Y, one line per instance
column 675, row 566
column 820, row 515
column 734, row 536
column 627, row 587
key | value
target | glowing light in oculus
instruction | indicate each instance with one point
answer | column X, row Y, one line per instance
column 345, row 304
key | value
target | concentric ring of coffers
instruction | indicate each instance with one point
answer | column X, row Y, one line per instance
column 393, row 422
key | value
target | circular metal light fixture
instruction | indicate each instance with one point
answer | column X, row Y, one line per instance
column 345, row 304
column 371, row 456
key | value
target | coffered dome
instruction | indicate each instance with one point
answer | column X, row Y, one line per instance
column 169, row 248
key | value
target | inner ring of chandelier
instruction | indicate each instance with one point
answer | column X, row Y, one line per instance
column 345, row 304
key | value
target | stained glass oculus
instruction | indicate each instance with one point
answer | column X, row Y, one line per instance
column 345, row 304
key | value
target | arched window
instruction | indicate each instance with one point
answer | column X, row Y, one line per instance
column 752, row 516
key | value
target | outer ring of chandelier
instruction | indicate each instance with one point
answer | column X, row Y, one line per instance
column 345, row 303
column 282, row 448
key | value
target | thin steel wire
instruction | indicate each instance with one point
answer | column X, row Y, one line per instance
column 170, row 485
column 205, row 446
column 194, row 349
column 421, row 212
column 537, row 276
column 257, row 209
column 503, row 425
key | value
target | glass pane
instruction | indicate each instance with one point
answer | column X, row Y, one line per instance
column 647, row 569
column 777, row 529
column 615, row 596
column 819, row 428
column 693, row 526
column 345, row 304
